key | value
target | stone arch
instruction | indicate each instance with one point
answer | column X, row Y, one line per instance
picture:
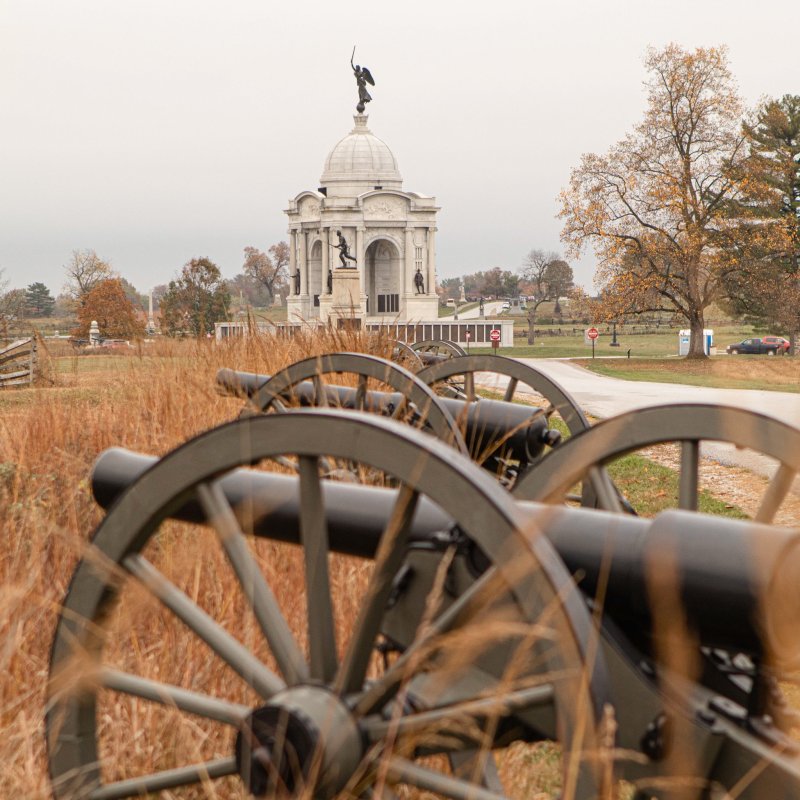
column 382, row 271
column 315, row 273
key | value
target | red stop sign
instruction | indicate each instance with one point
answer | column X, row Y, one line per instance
column 494, row 335
column 592, row 333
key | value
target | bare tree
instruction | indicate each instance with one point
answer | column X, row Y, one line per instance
column 85, row 270
column 12, row 305
column 547, row 277
column 269, row 270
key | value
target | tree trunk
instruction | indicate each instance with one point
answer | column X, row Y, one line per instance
column 696, row 343
column 531, row 324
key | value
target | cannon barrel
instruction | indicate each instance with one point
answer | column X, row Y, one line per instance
column 523, row 431
column 737, row 581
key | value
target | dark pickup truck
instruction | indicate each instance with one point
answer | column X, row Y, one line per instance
column 757, row 346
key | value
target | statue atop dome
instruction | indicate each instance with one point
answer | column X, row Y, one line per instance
column 363, row 77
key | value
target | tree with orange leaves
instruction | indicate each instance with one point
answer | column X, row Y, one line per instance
column 116, row 316
column 661, row 207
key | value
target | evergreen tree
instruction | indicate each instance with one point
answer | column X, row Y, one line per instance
column 767, row 292
column 38, row 300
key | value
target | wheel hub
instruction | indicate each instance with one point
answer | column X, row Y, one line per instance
column 305, row 737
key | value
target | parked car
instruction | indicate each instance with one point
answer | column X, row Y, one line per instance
column 783, row 344
column 506, row 306
column 755, row 346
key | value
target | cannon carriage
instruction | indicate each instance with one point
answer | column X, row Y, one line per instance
column 650, row 650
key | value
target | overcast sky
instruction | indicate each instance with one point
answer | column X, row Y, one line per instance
column 155, row 131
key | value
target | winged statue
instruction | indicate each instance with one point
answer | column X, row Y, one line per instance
column 363, row 77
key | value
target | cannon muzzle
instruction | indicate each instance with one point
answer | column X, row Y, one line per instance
column 737, row 581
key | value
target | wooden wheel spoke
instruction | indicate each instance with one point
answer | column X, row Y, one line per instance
column 320, row 396
column 604, row 489
column 314, row 536
column 361, row 393
column 469, row 385
column 233, row 652
column 777, row 489
column 400, row 770
column 510, row 389
column 202, row 705
column 255, row 588
column 167, row 779
column 451, row 718
column 689, row 477
column 390, row 555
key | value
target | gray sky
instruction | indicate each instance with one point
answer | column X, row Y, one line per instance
column 155, row 131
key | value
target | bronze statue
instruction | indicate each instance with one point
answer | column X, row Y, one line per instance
column 419, row 282
column 297, row 281
column 344, row 250
column 330, row 282
column 363, row 77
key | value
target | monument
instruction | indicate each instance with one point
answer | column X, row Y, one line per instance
column 384, row 235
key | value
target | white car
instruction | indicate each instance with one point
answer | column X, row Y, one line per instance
column 506, row 306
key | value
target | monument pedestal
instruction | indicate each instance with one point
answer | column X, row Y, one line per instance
column 343, row 306
column 421, row 306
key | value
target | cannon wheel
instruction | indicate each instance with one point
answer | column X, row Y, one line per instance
column 406, row 356
column 687, row 423
column 323, row 724
column 467, row 366
column 440, row 347
column 423, row 401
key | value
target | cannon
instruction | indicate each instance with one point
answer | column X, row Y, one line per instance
column 503, row 436
column 650, row 650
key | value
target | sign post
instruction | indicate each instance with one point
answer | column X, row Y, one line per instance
column 591, row 335
column 468, row 336
column 494, row 336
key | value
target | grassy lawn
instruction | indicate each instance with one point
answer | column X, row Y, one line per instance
column 650, row 345
column 725, row 372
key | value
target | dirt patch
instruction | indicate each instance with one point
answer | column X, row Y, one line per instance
column 736, row 486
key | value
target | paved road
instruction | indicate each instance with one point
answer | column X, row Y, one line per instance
column 489, row 308
column 605, row 397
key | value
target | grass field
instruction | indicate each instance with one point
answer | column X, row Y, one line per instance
column 725, row 372
column 151, row 400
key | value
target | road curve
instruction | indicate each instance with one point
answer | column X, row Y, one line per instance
column 604, row 397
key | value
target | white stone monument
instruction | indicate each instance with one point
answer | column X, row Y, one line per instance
column 390, row 233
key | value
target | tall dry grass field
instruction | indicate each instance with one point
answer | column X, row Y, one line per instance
column 149, row 401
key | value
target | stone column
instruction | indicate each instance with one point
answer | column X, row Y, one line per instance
column 360, row 260
column 326, row 258
column 292, row 259
column 303, row 263
column 407, row 268
column 430, row 283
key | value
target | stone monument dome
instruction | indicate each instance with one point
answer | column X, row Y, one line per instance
column 360, row 162
column 361, row 230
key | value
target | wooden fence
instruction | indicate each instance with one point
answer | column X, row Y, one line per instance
column 18, row 363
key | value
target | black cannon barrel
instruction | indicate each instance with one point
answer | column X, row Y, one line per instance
column 737, row 580
column 522, row 430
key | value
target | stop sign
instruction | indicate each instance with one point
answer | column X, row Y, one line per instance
column 494, row 335
column 592, row 333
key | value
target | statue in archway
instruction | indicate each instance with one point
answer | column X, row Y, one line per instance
column 363, row 77
column 344, row 250
column 419, row 282
column 330, row 281
column 297, row 281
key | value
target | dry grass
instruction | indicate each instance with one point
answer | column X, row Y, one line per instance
column 50, row 435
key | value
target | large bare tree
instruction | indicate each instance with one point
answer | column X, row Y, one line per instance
column 545, row 276
column 659, row 207
column 84, row 271
column 271, row 269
